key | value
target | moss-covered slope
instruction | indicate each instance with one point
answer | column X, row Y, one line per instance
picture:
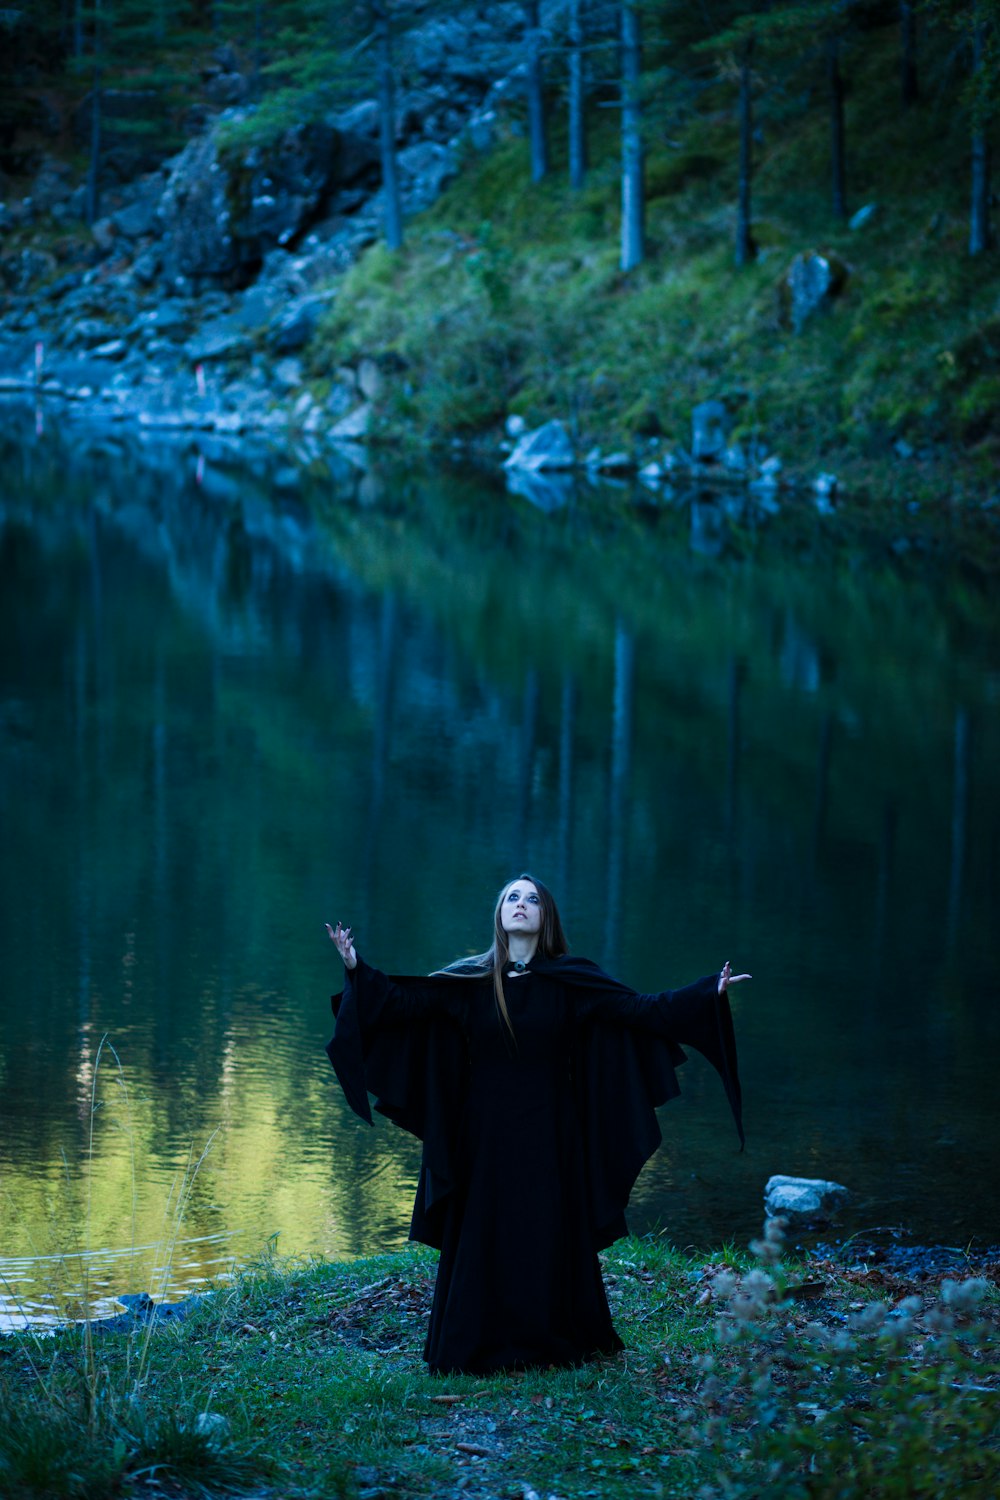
column 508, row 298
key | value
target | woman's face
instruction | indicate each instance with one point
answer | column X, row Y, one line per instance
column 521, row 908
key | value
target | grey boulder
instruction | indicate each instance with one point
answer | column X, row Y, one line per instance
column 218, row 339
column 227, row 205
column 803, row 1201
column 548, row 447
column 709, row 430
column 296, row 324
column 811, row 282
column 139, row 218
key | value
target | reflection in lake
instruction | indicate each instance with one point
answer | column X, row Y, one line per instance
column 239, row 699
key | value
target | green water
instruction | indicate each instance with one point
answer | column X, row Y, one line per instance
column 239, row 698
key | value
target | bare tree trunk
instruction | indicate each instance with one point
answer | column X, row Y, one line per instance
column 737, row 680
column 565, row 820
column 536, row 101
column 908, row 54
column 577, row 130
column 959, row 823
column 633, row 246
column 387, row 128
column 78, row 43
column 979, row 217
column 521, row 853
column 258, row 48
column 979, row 220
column 96, row 87
column 745, row 247
column 622, row 725
column 836, row 128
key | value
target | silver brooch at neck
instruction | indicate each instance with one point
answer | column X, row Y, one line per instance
column 519, row 966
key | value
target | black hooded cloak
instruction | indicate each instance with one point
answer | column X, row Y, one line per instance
column 531, row 1144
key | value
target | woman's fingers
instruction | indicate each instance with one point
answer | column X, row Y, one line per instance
column 342, row 936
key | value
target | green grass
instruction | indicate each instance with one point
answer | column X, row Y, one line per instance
column 507, row 296
column 307, row 1381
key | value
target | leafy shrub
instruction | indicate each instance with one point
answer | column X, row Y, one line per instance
column 978, row 408
column 669, row 174
column 898, row 1403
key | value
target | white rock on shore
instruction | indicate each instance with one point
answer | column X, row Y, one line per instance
column 803, row 1201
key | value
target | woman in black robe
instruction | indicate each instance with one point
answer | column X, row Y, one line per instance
column 532, row 1079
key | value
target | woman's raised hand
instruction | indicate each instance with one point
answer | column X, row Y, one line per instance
column 344, row 942
column 727, row 977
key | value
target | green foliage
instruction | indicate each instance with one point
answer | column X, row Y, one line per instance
column 62, row 1444
column 307, row 1379
column 978, row 351
column 887, row 1403
column 143, row 52
column 509, row 297
column 978, row 408
column 309, row 57
column 490, row 267
column 667, row 175
column 977, row 24
column 527, row 278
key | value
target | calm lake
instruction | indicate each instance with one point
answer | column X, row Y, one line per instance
column 240, row 696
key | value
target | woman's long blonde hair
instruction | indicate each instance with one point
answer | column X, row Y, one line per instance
column 496, row 959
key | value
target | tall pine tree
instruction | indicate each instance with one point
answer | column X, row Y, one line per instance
column 135, row 60
column 977, row 24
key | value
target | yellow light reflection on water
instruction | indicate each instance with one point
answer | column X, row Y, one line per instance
column 138, row 1209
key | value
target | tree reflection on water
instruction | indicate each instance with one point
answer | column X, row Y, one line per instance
column 239, row 697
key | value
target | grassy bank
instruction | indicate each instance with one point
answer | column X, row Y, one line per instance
column 785, row 1381
column 507, row 297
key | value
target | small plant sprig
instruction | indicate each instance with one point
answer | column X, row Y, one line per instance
column 894, row 1402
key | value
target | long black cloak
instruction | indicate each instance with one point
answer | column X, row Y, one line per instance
column 417, row 1069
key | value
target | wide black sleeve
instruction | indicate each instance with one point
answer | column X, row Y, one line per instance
column 401, row 1039
column 667, row 1014
column 694, row 1016
column 380, row 1037
column 625, row 1060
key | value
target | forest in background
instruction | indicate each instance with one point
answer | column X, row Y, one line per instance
column 622, row 250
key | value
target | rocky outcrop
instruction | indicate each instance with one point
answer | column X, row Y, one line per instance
column 225, row 207
column 189, row 303
column 214, row 215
